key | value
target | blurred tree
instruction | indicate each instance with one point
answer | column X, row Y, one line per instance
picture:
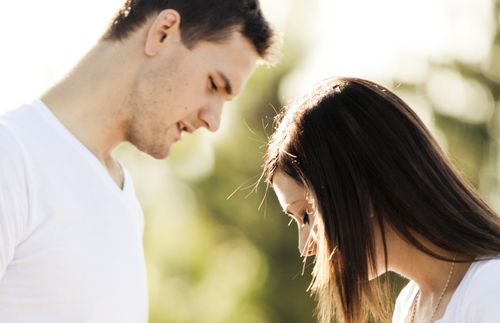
column 214, row 257
column 465, row 100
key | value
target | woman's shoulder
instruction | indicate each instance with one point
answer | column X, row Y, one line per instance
column 404, row 301
column 484, row 275
column 408, row 292
column 481, row 295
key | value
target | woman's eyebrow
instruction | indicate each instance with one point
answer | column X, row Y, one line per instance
column 287, row 207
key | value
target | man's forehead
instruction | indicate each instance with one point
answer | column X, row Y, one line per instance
column 237, row 48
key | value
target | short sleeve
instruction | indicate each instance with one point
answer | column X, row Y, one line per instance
column 14, row 197
column 483, row 299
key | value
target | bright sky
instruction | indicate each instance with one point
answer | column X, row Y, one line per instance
column 41, row 40
column 386, row 38
column 376, row 39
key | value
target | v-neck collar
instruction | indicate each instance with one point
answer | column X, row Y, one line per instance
column 99, row 168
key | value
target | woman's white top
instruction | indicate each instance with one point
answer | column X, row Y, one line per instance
column 476, row 299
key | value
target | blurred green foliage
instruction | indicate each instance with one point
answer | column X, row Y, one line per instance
column 213, row 256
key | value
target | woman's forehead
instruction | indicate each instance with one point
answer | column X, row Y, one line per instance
column 288, row 190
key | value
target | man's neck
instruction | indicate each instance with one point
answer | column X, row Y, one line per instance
column 92, row 101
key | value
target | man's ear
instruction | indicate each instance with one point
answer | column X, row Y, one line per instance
column 166, row 23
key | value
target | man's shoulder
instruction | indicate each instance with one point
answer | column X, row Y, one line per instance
column 19, row 115
column 10, row 145
column 13, row 125
column 20, row 126
column 12, row 159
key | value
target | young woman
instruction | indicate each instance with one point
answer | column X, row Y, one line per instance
column 372, row 192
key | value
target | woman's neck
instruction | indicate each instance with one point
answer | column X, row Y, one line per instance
column 429, row 273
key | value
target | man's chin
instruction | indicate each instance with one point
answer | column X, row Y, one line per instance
column 160, row 154
column 157, row 152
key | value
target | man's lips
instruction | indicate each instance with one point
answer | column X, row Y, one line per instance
column 186, row 127
column 178, row 135
column 183, row 127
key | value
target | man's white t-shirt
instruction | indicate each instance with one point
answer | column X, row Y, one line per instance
column 476, row 299
column 70, row 239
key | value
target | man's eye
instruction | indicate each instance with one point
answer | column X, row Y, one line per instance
column 213, row 86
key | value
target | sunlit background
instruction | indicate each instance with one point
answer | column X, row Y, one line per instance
column 212, row 255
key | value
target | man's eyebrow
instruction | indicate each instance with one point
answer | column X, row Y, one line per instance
column 227, row 84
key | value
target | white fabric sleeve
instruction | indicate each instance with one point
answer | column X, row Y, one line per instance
column 483, row 305
column 14, row 197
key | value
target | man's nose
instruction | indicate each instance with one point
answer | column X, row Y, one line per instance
column 211, row 116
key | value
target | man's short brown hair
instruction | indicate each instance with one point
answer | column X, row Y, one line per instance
column 210, row 20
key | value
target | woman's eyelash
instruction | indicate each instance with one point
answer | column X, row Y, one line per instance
column 305, row 218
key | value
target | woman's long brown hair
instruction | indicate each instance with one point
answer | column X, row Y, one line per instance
column 367, row 158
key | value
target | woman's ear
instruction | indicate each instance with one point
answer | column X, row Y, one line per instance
column 165, row 25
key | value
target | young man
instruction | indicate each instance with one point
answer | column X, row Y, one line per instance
column 70, row 225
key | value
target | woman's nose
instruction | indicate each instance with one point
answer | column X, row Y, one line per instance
column 307, row 243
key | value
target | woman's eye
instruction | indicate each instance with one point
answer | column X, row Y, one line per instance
column 305, row 218
column 213, row 86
